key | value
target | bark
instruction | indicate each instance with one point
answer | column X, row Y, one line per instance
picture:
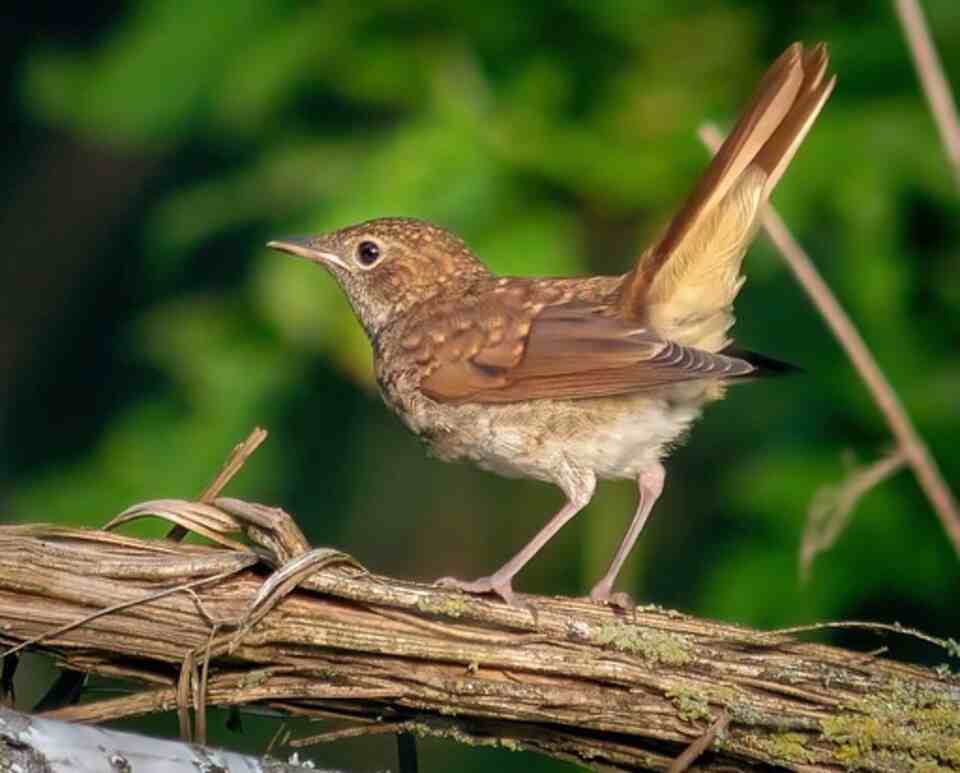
column 311, row 633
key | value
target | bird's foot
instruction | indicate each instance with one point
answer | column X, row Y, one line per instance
column 602, row 593
column 502, row 586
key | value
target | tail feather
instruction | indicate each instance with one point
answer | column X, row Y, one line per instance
column 685, row 283
column 780, row 149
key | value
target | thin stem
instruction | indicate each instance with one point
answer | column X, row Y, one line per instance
column 682, row 763
column 918, row 456
column 238, row 456
column 932, row 78
column 830, row 510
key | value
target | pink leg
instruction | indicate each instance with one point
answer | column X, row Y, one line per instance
column 579, row 489
column 650, row 484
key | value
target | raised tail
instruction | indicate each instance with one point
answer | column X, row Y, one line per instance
column 684, row 284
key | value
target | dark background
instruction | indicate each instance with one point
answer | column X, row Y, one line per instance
column 152, row 148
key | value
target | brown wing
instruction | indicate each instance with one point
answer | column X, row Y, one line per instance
column 563, row 351
column 685, row 283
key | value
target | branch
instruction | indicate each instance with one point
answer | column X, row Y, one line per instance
column 321, row 637
column 910, row 443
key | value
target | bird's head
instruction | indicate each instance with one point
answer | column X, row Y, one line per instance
column 388, row 266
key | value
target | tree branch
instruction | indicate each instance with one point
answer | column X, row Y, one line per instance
column 323, row 638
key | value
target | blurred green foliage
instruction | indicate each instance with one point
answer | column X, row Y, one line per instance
column 555, row 137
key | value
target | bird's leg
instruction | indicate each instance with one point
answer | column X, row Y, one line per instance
column 650, row 484
column 579, row 487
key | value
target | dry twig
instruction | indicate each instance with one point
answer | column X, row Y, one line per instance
column 237, row 458
column 932, row 78
column 698, row 747
column 832, row 506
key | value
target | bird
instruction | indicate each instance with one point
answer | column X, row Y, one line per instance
column 571, row 380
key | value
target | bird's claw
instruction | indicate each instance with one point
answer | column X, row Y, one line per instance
column 492, row 584
column 602, row 593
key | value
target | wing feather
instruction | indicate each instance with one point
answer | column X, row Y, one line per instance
column 571, row 351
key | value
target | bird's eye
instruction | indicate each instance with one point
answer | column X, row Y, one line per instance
column 368, row 253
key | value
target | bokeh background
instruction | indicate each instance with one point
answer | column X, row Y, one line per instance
column 151, row 148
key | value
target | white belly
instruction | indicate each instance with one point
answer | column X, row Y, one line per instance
column 614, row 438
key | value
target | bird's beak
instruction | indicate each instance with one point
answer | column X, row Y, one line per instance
column 302, row 246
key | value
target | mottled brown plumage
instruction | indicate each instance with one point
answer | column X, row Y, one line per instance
column 570, row 380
